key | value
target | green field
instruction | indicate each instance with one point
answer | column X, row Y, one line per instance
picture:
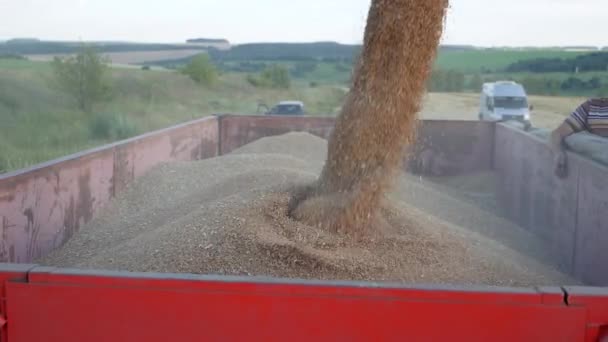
column 487, row 65
column 492, row 60
column 38, row 123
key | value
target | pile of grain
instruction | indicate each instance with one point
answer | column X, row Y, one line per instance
column 228, row 215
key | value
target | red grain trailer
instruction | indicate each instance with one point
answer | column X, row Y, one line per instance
column 43, row 206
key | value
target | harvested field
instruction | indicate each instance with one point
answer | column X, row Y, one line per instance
column 228, row 216
column 549, row 111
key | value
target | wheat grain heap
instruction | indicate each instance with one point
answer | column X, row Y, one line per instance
column 298, row 206
column 228, row 215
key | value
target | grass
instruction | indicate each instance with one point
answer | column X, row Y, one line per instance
column 38, row 123
column 21, row 64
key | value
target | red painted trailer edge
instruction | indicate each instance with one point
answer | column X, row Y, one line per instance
column 9, row 272
column 595, row 299
column 123, row 306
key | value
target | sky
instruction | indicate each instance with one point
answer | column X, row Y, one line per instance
column 474, row 22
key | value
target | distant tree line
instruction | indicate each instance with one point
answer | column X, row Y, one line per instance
column 319, row 51
column 288, row 51
column 208, row 41
column 33, row 47
column 456, row 81
column 597, row 61
column 446, row 81
column 571, row 85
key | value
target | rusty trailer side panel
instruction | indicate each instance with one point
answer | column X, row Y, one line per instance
column 67, row 305
column 43, row 206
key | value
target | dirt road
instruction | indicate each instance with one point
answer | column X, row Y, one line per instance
column 548, row 111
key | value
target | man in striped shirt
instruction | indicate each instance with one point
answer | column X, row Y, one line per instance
column 591, row 116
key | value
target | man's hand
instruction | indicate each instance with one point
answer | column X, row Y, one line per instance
column 561, row 164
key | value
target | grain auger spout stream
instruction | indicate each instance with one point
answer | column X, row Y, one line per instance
column 378, row 118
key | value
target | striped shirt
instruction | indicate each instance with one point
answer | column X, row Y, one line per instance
column 591, row 116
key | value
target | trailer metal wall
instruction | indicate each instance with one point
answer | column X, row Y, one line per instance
column 236, row 131
column 571, row 214
column 43, row 206
column 468, row 145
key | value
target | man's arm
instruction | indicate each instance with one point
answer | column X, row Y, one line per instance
column 559, row 135
column 575, row 122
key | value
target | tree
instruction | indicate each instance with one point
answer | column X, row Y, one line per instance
column 201, row 70
column 378, row 118
column 475, row 83
column 300, row 69
column 83, row 77
column 275, row 76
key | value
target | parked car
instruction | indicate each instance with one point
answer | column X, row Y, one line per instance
column 287, row 108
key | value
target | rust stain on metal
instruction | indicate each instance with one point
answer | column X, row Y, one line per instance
column 32, row 229
column 124, row 171
column 79, row 210
column 177, row 144
column 70, row 222
column 29, row 213
column 85, row 200
column 196, row 152
column 7, row 251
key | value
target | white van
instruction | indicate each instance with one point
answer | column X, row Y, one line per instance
column 504, row 101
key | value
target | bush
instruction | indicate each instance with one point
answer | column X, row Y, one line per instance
column 109, row 126
column 82, row 77
column 313, row 84
column 254, row 81
column 475, row 83
column 201, row 70
column 300, row 69
column 101, row 126
column 124, row 128
column 275, row 76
